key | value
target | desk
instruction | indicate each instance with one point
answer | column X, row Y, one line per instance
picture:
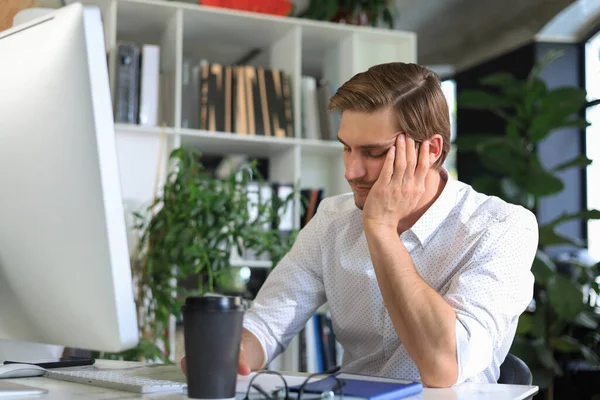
column 60, row 390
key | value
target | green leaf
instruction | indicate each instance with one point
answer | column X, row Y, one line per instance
column 565, row 217
column 566, row 344
column 522, row 347
column 565, row 297
column 538, row 320
column 586, row 320
column 549, row 237
column 537, row 89
column 545, row 356
column 478, row 99
column 543, row 268
column 580, row 161
column 515, row 194
column 568, row 100
column 512, row 131
column 480, row 141
column 499, row 79
column 591, row 356
column 542, row 63
column 537, row 181
column 488, row 185
column 503, row 158
column 542, row 378
column 525, row 324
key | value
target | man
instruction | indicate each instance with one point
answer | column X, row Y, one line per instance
column 424, row 277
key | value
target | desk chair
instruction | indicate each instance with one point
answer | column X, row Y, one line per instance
column 514, row 371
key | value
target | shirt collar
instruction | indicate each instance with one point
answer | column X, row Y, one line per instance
column 429, row 222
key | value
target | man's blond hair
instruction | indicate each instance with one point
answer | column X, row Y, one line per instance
column 413, row 91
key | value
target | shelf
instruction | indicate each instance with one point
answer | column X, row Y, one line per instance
column 142, row 130
column 222, row 142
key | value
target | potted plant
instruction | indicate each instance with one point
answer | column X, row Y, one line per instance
column 356, row 12
column 190, row 232
column 562, row 321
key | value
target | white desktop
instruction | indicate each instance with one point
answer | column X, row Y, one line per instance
column 65, row 276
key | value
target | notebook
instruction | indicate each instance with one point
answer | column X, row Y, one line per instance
column 362, row 387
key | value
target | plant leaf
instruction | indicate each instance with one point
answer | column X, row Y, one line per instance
column 565, row 344
column 549, row 237
column 545, row 356
column 538, row 328
column 568, row 100
column 538, row 182
column 580, row 161
column 499, row 79
column 541, row 64
column 525, row 324
column 473, row 142
column 586, row 320
column 543, row 268
column 585, row 215
column 502, row 157
column 515, row 194
column 479, row 99
column 512, row 131
column 542, row 378
column 590, row 356
column 565, row 297
column 488, row 185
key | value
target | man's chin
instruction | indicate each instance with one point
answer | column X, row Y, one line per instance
column 359, row 201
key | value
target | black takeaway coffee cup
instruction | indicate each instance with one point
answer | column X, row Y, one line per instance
column 212, row 333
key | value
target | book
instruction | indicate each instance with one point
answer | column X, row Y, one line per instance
column 362, row 387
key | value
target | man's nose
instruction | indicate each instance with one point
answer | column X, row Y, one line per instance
column 355, row 168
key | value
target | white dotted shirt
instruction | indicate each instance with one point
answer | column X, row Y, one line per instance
column 475, row 250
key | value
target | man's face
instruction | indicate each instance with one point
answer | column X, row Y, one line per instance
column 366, row 138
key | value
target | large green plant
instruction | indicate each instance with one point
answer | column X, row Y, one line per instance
column 562, row 321
column 190, row 231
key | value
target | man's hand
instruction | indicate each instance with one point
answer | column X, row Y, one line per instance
column 400, row 185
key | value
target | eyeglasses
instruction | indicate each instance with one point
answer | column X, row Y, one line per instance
column 330, row 387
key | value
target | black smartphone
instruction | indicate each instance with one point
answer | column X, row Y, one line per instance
column 57, row 362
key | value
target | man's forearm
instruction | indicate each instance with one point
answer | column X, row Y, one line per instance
column 423, row 320
column 253, row 351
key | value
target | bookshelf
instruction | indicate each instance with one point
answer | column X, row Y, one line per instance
column 334, row 52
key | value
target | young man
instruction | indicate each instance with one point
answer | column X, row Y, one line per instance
column 424, row 277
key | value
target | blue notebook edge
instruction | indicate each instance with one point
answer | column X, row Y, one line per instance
column 365, row 388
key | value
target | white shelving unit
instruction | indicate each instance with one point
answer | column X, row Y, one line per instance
column 300, row 47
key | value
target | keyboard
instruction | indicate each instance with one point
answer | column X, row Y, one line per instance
column 118, row 381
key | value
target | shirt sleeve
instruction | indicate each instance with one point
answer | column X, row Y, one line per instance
column 492, row 290
column 291, row 294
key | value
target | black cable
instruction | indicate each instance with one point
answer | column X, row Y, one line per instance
column 263, row 392
column 330, row 372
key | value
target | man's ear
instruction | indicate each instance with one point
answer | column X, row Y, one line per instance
column 436, row 144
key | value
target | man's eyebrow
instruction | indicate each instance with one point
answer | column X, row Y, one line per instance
column 371, row 146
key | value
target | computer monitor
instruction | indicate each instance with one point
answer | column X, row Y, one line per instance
column 65, row 275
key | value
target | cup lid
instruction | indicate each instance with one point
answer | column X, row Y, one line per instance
column 214, row 303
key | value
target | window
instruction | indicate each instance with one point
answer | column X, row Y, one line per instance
column 449, row 89
column 592, row 77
